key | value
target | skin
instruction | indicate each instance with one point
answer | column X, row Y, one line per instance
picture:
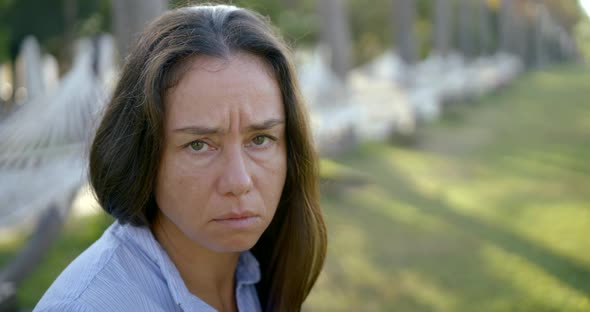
column 222, row 172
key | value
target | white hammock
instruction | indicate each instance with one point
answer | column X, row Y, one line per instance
column 43, row 145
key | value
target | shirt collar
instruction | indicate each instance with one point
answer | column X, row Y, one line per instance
column 247, row 271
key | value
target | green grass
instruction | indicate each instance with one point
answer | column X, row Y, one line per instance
column 490, row 211
column 77, row 235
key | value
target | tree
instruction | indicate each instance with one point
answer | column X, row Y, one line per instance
column 404, row 14
column 485, row 31
column 442, row 29
column 130, row 17
column 506, row 24
column 466, row 42
column 334, row 31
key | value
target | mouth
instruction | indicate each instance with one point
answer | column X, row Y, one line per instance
column 235, row 216
column 237, row 220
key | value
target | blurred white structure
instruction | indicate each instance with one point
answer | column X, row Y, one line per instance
column 50, row 73
column 384, row 108
column 43, row 144
column 387, row 96
column 43, row 154
column 328, row 99
column 366, row 107
column 29, row 76
column 388, row 66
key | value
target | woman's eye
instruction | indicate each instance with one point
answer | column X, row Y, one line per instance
column 259, row 139
column 197, row 145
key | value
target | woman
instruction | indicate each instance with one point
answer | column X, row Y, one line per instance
column 204, row 157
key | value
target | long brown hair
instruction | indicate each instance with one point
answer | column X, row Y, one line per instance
column 126, row 151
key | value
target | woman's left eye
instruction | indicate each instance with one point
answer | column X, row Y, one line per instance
column 261, row 140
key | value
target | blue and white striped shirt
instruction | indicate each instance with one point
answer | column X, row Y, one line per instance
column 127, row 270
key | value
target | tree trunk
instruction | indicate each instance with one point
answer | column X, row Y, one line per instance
column 466, row 42
column 520, row 33
column 70, row 8
column 485, row 32
column 442, row 29
column 538, row 36
column 335, row 32
column 404, row 12
column 130, row 17
column 506, row 24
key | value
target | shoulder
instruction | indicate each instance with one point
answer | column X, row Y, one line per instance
column 64, row 306
column 111, row 275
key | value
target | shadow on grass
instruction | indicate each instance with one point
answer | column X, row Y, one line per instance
column 565, row 269
column 405, row 240
column 401, row 265
column 426, row 268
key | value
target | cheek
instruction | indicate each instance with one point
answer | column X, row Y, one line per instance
column 274, row 181
column 180, row 191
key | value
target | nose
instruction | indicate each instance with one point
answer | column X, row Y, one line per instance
column 235, row 179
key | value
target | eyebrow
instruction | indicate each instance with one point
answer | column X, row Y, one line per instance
column 196, row 130
column 265, row 125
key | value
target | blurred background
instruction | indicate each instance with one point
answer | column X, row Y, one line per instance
column 454, row 134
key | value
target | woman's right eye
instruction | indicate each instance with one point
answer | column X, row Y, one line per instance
column 197, row 146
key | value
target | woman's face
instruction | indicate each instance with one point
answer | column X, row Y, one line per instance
column 224, row 160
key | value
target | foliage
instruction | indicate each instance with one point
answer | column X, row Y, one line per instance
column 3, row 43
column 47, row 22
column 371, row 28
column 297, row 19
column 296, row 22
column 582, row 31
column 566, row 12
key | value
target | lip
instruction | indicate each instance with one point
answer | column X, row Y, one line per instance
column 235, row 216
column 238, row 220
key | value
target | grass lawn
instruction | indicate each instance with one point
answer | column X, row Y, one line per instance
column 489, row 211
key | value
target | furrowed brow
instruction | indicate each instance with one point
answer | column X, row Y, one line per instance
column 199, row 130
column 196, row 130
column 268, row 124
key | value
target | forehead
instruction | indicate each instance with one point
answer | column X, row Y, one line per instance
column 211, row 89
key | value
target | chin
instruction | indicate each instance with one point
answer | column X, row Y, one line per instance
column 238, row 243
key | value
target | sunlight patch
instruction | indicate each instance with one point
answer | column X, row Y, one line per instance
column 534, row 282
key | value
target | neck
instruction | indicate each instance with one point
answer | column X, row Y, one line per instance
column 207, row 274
